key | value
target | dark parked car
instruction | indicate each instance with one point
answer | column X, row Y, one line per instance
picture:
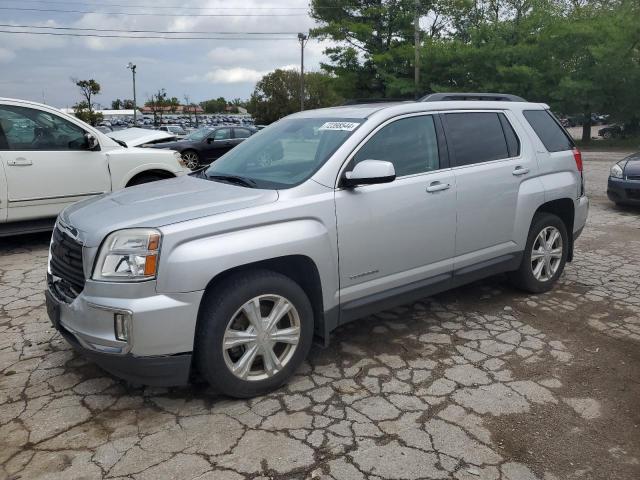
column 208, row 144
column 612, row 131
column 624, row 181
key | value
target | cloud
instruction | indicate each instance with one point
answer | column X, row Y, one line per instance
column 231, row 56
column 234, row 75
column 6, row 55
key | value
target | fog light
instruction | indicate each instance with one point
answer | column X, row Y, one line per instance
column 122, row 325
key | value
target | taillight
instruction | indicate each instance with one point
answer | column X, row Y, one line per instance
column 578, row 158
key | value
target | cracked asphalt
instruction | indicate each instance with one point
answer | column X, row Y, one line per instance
column 483, row 382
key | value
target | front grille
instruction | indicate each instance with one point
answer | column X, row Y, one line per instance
column 66, row 262
column 633, row 193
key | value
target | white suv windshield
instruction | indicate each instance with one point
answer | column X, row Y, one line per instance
column 285, row 154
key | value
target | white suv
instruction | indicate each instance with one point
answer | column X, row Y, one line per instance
column 49, row 160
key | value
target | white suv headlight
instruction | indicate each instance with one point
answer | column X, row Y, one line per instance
column 616, row 171
column 128, row 256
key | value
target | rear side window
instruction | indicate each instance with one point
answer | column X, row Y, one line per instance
column 476, row 137
column 551, row 134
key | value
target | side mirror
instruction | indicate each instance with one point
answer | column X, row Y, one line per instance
column 92, row 142
column 369, row 172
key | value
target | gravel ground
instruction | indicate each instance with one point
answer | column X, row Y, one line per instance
column 483, row 382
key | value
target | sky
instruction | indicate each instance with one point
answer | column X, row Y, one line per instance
column 40, row 67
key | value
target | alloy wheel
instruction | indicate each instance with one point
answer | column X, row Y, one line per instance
column 546, row 254
column 191, row 159
column 261, row 337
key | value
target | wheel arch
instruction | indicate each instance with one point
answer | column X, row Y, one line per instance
column 155, row 172
column 299, row 268
column 565, row 209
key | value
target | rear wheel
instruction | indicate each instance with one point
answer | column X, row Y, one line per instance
column 545, row 254
column 253, row 333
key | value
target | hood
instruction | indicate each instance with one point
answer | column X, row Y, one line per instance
column 134, row 137
column 632, row 166
column 159, row 203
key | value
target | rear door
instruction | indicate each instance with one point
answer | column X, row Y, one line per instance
column 47, row 163
column 489, row 167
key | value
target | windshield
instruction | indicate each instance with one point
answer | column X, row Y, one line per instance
column 198, row 135
column 285, row 154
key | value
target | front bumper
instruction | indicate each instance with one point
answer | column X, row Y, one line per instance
column 621, row 190
column 162, row 329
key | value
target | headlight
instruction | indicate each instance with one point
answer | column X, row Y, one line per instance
column 128, row 256
column 616, row 171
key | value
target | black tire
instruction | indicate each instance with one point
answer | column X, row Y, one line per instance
column 524, row 278
column 145, row 178
column 218, row 308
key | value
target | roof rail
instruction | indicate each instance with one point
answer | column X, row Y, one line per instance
column 494, row 97
column 362, row 101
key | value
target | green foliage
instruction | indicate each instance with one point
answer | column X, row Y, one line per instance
column 580, row 56
column 124, row 104
column 277, row 94
column 215, row 105
column 86, row 114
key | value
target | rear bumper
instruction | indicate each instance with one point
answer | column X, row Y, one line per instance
column 620, row 190
column 580, row 215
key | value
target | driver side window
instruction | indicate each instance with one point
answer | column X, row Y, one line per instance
column 24, row 128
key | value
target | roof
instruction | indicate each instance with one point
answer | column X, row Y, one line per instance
column 366, row 110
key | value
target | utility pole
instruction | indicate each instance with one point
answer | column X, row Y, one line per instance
column 302, row 38
column 416, row 73
column 132, row 67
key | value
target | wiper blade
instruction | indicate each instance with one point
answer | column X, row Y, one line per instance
column 245, row 182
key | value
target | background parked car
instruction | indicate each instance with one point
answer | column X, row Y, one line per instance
column 208, row 144
column 176, row 130
column 623, row 186
column 611, row 131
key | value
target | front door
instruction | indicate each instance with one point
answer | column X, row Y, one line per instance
column 393, row 235
column 219, row 142
column 47, row 163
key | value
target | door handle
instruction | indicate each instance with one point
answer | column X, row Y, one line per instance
column 520, row 171
column 19, row 162
column 437, row 186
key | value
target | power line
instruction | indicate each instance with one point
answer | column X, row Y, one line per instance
column 57, row 34
column 40, row 27
column 181, row 7
column 149, row 14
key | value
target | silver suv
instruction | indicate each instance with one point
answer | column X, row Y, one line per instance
column 323, row 217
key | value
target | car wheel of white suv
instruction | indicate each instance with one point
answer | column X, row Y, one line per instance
column 253, row 333
column 545, row 254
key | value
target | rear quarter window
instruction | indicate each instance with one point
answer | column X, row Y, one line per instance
column 550, row 133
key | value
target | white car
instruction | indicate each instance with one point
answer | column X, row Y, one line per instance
column 49, row 160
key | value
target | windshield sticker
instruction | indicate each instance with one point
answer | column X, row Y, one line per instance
column 345, row 126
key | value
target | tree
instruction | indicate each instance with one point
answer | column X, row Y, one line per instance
column 277, row 94
column 158, row 104
column 88, row 88
column 215, row 105
column 84, row 109
column 124, row 104
column 84, row 113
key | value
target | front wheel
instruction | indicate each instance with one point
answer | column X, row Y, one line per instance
column 191, row 159
column 544, row 256
column 253, row 333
